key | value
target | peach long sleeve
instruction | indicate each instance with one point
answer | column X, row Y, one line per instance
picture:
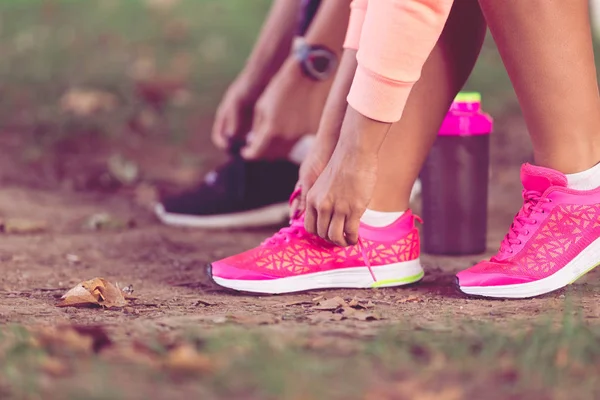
column 395, row 38
column 358, row 9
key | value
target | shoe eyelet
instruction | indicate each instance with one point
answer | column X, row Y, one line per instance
column 527, row 233
column 550, row 200
column 535, row 221
column 511, row 251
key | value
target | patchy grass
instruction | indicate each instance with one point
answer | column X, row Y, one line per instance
column 545, row 361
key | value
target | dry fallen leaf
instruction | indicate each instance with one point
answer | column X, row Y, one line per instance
column 360, row 315
column 185, row 359
column 331, row 304
column 360, row 304
column 294, row 303
column 324, row 316
column 409, row 299
column 112, row 295
column 78, row 297
column 97, row 291
column 317, row 299
column 23, row 226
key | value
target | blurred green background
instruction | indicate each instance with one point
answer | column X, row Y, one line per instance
column 52, row 48
column 56, row 54
column 156, row 68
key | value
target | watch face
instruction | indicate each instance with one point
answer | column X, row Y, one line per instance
column 317, row 62
column 320, row 63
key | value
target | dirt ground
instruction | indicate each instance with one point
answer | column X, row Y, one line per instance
column 166, row 266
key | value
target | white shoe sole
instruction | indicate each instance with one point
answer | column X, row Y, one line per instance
column 583, row 263
column 397, row 274
column 265, row 216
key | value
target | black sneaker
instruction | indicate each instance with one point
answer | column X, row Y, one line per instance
column 239, row 194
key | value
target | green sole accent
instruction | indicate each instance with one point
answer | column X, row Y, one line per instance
column 402, row 281
column 584, row 273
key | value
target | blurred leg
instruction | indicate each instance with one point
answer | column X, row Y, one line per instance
column 546, row 46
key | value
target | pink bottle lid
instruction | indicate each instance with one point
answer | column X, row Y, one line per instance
column 465, row 117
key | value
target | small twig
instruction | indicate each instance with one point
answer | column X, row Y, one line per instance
column 294, row 303
column 145, row 304
column 374, row 301
column 51, row 289
column 204, row 303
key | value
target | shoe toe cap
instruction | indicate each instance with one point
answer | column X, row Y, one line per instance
column 491, row 274
column 224, row 270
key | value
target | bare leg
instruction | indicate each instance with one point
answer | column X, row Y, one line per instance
column 546, row 46
column 445, row 72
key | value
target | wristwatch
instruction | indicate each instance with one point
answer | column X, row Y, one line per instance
column 317, row 62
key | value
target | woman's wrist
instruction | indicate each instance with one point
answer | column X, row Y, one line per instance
column 362, row 135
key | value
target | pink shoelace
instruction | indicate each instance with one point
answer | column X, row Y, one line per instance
column 533, row 203
column 296, row 230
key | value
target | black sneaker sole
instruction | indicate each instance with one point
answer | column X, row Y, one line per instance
column 261, row 217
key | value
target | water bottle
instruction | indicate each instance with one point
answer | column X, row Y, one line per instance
column 455, row 181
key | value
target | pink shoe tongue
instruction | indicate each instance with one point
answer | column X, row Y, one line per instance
column 540, row 178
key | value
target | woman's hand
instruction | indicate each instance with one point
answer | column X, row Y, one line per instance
column 310, row 170
column 234, row 114
column 340, row 197
column 343, row 191
column 289, row 108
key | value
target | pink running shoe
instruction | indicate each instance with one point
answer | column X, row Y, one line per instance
column 293, row 260
column 553, row 241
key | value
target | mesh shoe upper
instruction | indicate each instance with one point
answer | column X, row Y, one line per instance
column 554, row 225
